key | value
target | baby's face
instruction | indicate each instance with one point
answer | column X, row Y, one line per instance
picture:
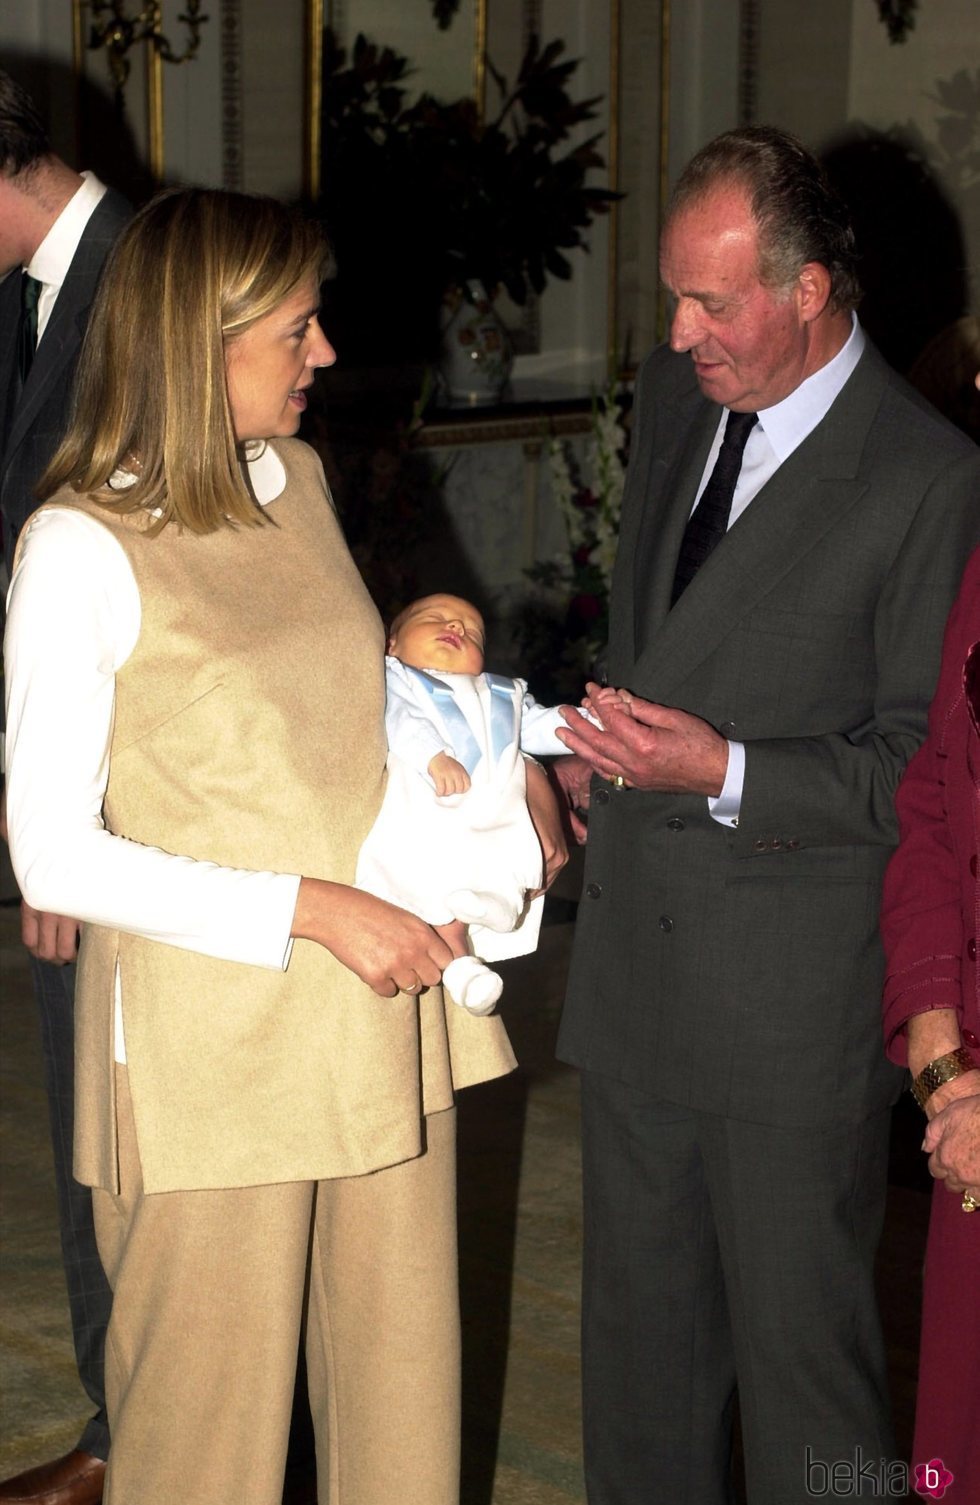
column 440, row 632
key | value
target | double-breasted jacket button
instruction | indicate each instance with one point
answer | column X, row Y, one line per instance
column 601, row 797
column 593, row 890
column 675, row 823
column 969, row 1038
column 760, row 844
column 971, row 949
column 727, row 728
column 666, row 923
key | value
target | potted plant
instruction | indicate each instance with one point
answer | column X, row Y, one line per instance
column 425, row 197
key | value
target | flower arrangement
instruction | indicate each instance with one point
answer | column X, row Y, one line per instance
column 565, row 619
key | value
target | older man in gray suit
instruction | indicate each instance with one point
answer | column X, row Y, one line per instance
column 794, row 526
column 56, row 227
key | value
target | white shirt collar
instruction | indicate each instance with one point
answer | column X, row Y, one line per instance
column 54, row 255
column 266, row 472
column 788, row 423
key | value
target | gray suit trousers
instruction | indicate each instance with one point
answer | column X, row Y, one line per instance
column 711, row 1244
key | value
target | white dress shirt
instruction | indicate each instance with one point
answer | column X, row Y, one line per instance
column 780, row 430
column 50, row 262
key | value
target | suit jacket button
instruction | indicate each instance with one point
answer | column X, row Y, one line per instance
column 675, row 823
column 666, row 923
column 776, row 843
column 601, row 797
column 727, row 728
column 969, row 1038
column 792, row 845
column 593, row 890
column 760, row 844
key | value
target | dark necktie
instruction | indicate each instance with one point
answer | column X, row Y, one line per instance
column 708, row 523
column 30, row 292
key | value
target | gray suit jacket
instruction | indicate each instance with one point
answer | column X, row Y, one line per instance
column 739, row 971
column 42, row 409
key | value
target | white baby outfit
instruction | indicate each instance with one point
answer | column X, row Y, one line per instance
column 473, row 856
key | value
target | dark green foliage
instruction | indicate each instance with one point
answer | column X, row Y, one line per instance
column 417, row 197
column 898, row 16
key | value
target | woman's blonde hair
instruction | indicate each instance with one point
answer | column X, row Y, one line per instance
column 192, row 271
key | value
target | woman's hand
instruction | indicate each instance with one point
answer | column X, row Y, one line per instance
column 545, row 814
column 574, row 779
column 50, row 937
column 386, row 947
column 952, row 1140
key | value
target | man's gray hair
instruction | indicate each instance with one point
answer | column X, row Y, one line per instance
column 799, row 216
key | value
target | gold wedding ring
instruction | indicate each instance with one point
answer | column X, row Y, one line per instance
column 617, row 781
column 970, row 1203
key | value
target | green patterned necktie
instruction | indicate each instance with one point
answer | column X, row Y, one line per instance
column 30, row 292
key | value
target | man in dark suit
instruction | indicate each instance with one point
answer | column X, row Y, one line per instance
column 56, row 227
column 777, row 612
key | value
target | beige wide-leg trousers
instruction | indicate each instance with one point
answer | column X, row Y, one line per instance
column 209, row 1292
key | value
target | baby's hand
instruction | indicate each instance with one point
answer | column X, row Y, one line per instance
column 606, row 696
column 448, row 776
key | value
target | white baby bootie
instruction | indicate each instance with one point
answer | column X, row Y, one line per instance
column 491, row 910
column 472, row 984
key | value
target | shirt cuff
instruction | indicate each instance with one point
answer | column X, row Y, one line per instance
column 726, row 807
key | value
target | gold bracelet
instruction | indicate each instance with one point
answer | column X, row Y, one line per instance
column 943, row 1069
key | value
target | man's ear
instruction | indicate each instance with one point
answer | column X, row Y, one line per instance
column 813, row 290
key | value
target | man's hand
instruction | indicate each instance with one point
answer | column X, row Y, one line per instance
column 651, row 747
column 449, row 776
column 953, row 1142
column 49, row 937
column 546, row 818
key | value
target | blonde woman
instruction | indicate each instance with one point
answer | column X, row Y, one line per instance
column 265, row 1068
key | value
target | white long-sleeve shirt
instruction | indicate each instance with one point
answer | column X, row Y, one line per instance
column 73, row 619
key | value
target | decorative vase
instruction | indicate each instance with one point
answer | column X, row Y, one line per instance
column 476, row 350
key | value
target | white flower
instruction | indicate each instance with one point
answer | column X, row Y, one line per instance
column 563, row 490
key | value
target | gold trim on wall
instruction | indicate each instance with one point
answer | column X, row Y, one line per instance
column 664, row 185
column 314, row 98
column 154, row 113
column 612, row 289
column 480, row 58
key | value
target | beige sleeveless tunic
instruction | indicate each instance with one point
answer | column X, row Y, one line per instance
column 249, row 732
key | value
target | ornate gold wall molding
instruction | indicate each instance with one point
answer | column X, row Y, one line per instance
column 232, row 154
column 115, row 31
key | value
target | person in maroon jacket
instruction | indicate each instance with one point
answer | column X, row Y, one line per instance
column 930, row 919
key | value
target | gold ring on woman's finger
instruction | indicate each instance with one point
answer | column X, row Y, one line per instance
column 617, row 781
column 970, row 1203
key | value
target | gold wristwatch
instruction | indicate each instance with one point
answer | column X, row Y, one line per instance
column 942, row 1069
